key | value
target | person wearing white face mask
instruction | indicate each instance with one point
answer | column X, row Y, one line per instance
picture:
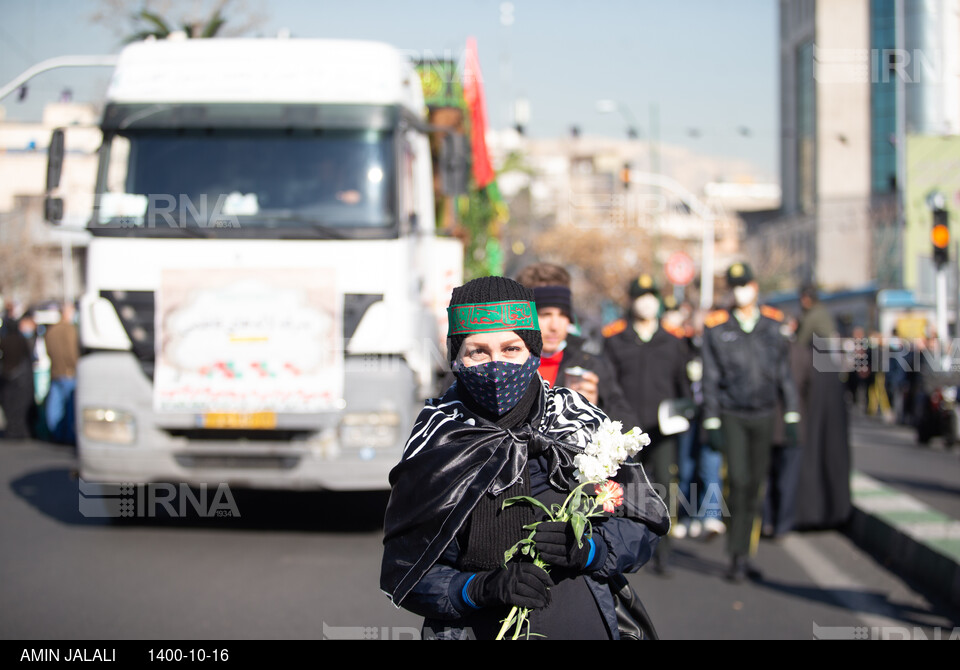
column 650, row 364
column 746, row 369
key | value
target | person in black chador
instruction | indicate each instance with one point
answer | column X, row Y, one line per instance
column 500, row 431
column 825, row 461
column 568, row 359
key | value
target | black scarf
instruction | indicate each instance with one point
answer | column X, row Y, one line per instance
column 454, row 457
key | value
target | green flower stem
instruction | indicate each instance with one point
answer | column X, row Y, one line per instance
column 519, row 617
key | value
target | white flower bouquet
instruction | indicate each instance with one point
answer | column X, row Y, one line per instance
column 600, row 461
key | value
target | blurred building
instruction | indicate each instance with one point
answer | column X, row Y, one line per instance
column 38, row 261
column 583, row 183
column 870, row 109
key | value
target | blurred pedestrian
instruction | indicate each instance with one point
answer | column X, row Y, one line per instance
column 498, row 432
column 897, row 379
column 699, row 479
column 745, row 368
column 63, row 348
column 16, row 378
column 779, row 510
column 651, row 367
column 566, row 359
column 878, row 402
column 825, row 461
column 858, row 378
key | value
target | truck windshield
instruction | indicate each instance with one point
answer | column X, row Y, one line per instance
column 250, row 181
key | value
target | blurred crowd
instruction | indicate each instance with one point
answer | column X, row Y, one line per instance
column 39, row 350
column 901, row 380
column 749, row 430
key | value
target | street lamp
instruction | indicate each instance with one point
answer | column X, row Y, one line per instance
column 610, row 106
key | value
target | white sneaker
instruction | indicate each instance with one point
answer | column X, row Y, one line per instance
column 714, row 526
column 695, row 528
column 678, row 530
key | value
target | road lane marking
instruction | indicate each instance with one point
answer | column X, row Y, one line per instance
column 844, row 590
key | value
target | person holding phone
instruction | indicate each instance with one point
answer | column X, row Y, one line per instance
column 567, row 359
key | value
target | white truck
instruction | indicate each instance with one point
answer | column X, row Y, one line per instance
column 265, row 292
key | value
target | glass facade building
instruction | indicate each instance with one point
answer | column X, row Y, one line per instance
column 883, row 96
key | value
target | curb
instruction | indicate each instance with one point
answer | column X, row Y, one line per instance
column 907, row 535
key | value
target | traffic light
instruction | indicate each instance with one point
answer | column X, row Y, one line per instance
column 940, row 236
column 625, row 175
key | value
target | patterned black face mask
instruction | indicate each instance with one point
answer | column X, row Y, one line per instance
column 497, row 385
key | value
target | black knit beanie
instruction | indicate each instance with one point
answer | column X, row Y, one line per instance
column 492, row 289
column 555, row 296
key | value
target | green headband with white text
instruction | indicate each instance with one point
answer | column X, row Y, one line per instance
column 491, row 317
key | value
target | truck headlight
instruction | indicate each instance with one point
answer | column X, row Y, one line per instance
column 369, row 429
column 108, row 425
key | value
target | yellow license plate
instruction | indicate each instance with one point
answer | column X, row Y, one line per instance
column 254, row 420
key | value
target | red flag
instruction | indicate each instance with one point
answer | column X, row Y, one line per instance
column 477, row 107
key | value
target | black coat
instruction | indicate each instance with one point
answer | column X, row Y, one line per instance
column 746, row 372
column 649, row 372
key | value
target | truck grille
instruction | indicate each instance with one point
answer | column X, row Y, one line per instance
column 235, row 461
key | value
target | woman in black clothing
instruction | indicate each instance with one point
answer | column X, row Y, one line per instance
column 498, row 432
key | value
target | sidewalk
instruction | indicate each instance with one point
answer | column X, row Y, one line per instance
column 891, row 518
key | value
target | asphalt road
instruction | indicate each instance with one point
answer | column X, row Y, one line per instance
column 306, row 567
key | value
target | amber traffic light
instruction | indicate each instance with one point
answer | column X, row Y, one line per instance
column 940, row 236
column 625, row 175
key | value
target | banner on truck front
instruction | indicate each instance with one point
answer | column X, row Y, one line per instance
column 248, row 343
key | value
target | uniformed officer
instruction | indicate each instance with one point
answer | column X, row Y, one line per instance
column 746, row 368
column 651, row 366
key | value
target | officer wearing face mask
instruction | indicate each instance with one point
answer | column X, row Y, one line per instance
column 651, row 366
column 746, row 368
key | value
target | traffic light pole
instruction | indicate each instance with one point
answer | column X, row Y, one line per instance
column 942, row 333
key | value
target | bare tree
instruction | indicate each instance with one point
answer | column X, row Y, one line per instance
column 23, row 271
column 601, row 260
column 136, row 20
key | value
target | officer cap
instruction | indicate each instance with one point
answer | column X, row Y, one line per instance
column 739, row 274
column 642, row 285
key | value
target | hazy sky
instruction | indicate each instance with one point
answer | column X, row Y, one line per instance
column 704, row 65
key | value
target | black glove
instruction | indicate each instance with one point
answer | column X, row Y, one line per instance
column 519, row 583
column 557, row 545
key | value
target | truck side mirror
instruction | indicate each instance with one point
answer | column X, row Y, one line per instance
column 55, row 159
column 454, row 164
column 53, row 209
